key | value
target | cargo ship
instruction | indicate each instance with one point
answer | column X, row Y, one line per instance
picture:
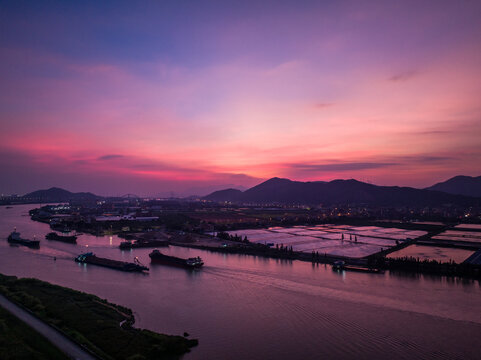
column 142, row 244
column 91, row 258
column 54, row 236
column 191, row 263
column 14, row 238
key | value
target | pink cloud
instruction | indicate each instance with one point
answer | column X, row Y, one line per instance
column 241, row 118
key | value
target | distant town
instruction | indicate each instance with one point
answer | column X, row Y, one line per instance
column 441, row 238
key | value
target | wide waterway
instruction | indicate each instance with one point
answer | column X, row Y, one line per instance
column 245, row 307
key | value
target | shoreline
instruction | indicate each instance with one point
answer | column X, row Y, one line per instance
column 377, row 262
column 102, row 328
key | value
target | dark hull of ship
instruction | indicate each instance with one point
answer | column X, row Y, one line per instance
column 113, row 264
column 25, row 242
column 56, row 237
column 172, row 261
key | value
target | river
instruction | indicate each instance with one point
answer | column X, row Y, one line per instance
column 245, row 307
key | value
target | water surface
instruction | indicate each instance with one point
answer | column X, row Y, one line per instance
column 245, row 307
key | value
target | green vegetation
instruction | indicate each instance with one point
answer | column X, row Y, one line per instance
column 412, row 264
column 20, row 341
column 226, row 236
column 93, row 322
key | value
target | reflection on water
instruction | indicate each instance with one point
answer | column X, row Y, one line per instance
column 245, row 307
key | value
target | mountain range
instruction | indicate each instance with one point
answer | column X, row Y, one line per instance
column 285, row 191
column 460, row 185
column 55, row 194
column 459, row 190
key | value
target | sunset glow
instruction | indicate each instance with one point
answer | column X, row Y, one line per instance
column 155, row 97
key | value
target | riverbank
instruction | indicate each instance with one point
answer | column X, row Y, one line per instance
column 105, row 329
column 214, row 244
column 376, row 262
column 20, row 341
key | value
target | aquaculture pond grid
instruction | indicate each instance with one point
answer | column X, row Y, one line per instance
column 339, row 240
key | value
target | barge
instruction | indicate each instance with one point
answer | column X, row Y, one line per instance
column 91, row 258
column 191, row 263
column 14, row 238
column 68, row 239
column 341, row 265
column 142, row 244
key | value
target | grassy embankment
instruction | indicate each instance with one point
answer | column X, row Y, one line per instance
column 20, row 341
column 92, row 322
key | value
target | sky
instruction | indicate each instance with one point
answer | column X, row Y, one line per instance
column 185, row 97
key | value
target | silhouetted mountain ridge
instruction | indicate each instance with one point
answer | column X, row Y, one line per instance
column 285, row 191
column 460, row 185
column 225, row 195
column 58, row 194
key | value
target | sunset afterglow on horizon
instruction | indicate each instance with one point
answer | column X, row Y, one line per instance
column 188, row 97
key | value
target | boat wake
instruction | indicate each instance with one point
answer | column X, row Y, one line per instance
column 321, row 290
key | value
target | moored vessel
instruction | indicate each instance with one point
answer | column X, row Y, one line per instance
column 68, row 239
column 338, row 265
column 341, row 265
column 142, row 244
column 14, row 238
column 191, row 263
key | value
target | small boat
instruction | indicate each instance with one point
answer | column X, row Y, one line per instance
column 338, row 265
column 191, row 263
column 14, row 238
column 363, row 269
column 68, row 239
column 341, row 265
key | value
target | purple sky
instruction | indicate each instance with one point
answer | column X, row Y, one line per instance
column 189, row 96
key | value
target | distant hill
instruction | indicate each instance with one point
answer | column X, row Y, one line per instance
column 285, row 191
column 205, row 190
column 460, row 185
column 233, row 195
column 57, row 194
